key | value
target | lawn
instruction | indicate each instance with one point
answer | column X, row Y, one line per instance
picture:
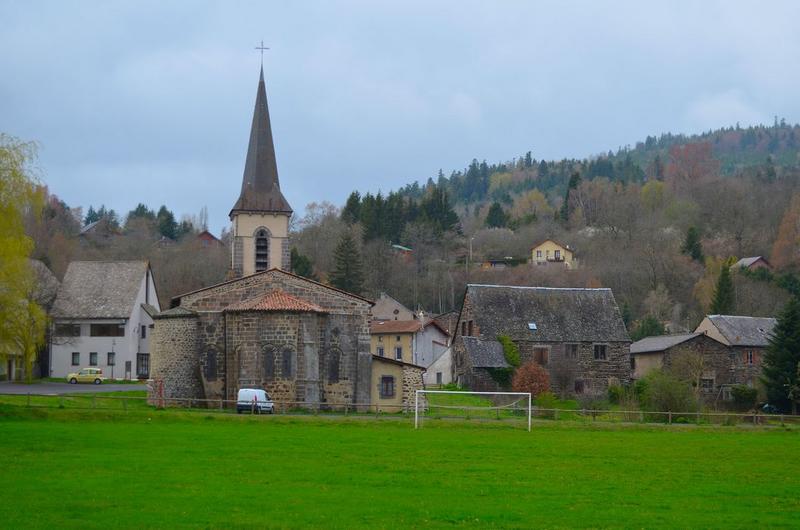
column 65, row 468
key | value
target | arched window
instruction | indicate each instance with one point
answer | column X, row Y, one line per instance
column 262, row 249
column 268, row 361
column 211, row 365
column 334, row 358
column 288, row 363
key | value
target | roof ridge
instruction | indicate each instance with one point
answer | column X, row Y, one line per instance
column 539, row 287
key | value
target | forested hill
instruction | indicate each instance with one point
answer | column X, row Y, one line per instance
column 756, row 149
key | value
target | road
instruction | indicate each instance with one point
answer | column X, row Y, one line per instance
column 65, row 388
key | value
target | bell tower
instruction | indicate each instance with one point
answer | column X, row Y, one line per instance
column 261, row 215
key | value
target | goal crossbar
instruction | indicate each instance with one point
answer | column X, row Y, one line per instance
column 466, row 392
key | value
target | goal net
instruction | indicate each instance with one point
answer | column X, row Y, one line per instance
column 457, row 404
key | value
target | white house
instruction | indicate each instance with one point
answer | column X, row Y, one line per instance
column 429, row 342
column 440, row 371
column 102, row 317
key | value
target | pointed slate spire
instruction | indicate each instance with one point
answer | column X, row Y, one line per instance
column 261, row 191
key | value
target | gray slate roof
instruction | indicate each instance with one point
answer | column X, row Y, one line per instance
column 559, row 314
column 661, row 342
column 261, row 191
column 484, row 353
column 746, row 262
column 744, row 331
column 176, row 312
column 99, row 289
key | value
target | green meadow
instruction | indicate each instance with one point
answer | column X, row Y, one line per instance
column 144, row 468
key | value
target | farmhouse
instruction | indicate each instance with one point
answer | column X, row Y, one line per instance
column 577, row 334
column 753, row 263
column 747, row 339
column 102, row 316
column 553, row 252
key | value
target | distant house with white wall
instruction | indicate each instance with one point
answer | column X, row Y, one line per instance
column 102, row 317
column 387, row 308
column 440, row 371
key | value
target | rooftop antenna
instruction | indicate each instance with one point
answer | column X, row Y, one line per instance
column 262, row 48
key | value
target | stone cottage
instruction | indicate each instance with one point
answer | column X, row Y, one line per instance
column 577, row 334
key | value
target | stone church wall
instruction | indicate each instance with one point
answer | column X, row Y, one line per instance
column 174, row 362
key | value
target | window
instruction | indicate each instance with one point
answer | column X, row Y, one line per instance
column 111, row 358
column 380, row 338
column 381, row 352
column 76, row 358
column 144, row 331
column 68, row 330
column 750, row 357
column 268, row 361
column 334, row 356
column 397, row 338
column 262, row 250
column 600, row 352
column 707, row 384
column 288, row 364
column 558, row 254
column 469, row 328
column 398, row 353
column 387, row 386
column 540, row 356
column 211, row 365
column 93, row 358
column 579, row 387
column 463, row 328
column 107, row 330
column 571, row 351
column 438, row 378
column 538, row 253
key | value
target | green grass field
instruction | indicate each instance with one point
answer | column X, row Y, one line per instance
column 64, row 468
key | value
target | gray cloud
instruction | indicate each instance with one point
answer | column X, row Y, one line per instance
column 147, row 101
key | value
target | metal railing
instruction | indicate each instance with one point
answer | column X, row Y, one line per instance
column 430, row 411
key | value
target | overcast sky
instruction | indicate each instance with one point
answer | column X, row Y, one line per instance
column 152, row 101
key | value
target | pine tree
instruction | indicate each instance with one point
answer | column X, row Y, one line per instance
column 496, row 218
column 351, row 213
column 691, row 245
column 347, row 275
column 167, row 225
column 301, row 264
column 91, row 216
column 782, row 359
column 574, row 182
column 723, row 301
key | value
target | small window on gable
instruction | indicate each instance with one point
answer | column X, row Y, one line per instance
column 469, row 328
column 144, row 331
column 463, row 328
column 600, row 352
column 750, row 357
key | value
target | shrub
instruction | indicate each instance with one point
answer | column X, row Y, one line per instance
column 510, row 350
column 616, row 394
column 547, row 400
column 531, row 377
column 744, row 397
column 666, row 393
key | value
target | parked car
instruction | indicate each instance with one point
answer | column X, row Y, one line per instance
column 86, row 375
column 254, row 400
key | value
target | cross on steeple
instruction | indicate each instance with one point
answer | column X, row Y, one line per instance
column 262, row 48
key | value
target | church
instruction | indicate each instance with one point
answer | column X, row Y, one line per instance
column 306, row 343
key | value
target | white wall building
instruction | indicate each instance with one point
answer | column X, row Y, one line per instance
column 439, row 372
column 102, row 317
column 429, row 342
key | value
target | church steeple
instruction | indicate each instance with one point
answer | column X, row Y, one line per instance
column 261, row 192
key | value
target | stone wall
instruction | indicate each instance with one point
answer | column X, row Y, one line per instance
column 412, row 381
column 173, row 358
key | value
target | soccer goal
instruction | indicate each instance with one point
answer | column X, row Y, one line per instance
column 469, row 405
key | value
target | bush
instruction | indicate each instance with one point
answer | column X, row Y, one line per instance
column 510, row 350
column 616, row 394
column 666, row 393
column 744, row 397
column 547, row 400
column 531, row 377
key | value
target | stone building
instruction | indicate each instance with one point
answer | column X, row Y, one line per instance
column 300, row 340
column 577, row 334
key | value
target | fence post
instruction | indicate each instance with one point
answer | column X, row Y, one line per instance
column 641, row 416
column 781, row 420
column 669, row 417
column 555, row 414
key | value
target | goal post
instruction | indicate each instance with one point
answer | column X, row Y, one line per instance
column 459, row 400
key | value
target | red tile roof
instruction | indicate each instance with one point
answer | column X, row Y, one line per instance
column 276, row 301
column 394, row 326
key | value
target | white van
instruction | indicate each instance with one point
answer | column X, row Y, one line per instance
column 254, row 400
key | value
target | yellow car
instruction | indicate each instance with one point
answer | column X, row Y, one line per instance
column 86, row 375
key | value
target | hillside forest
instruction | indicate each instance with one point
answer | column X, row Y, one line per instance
column 656, row 222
